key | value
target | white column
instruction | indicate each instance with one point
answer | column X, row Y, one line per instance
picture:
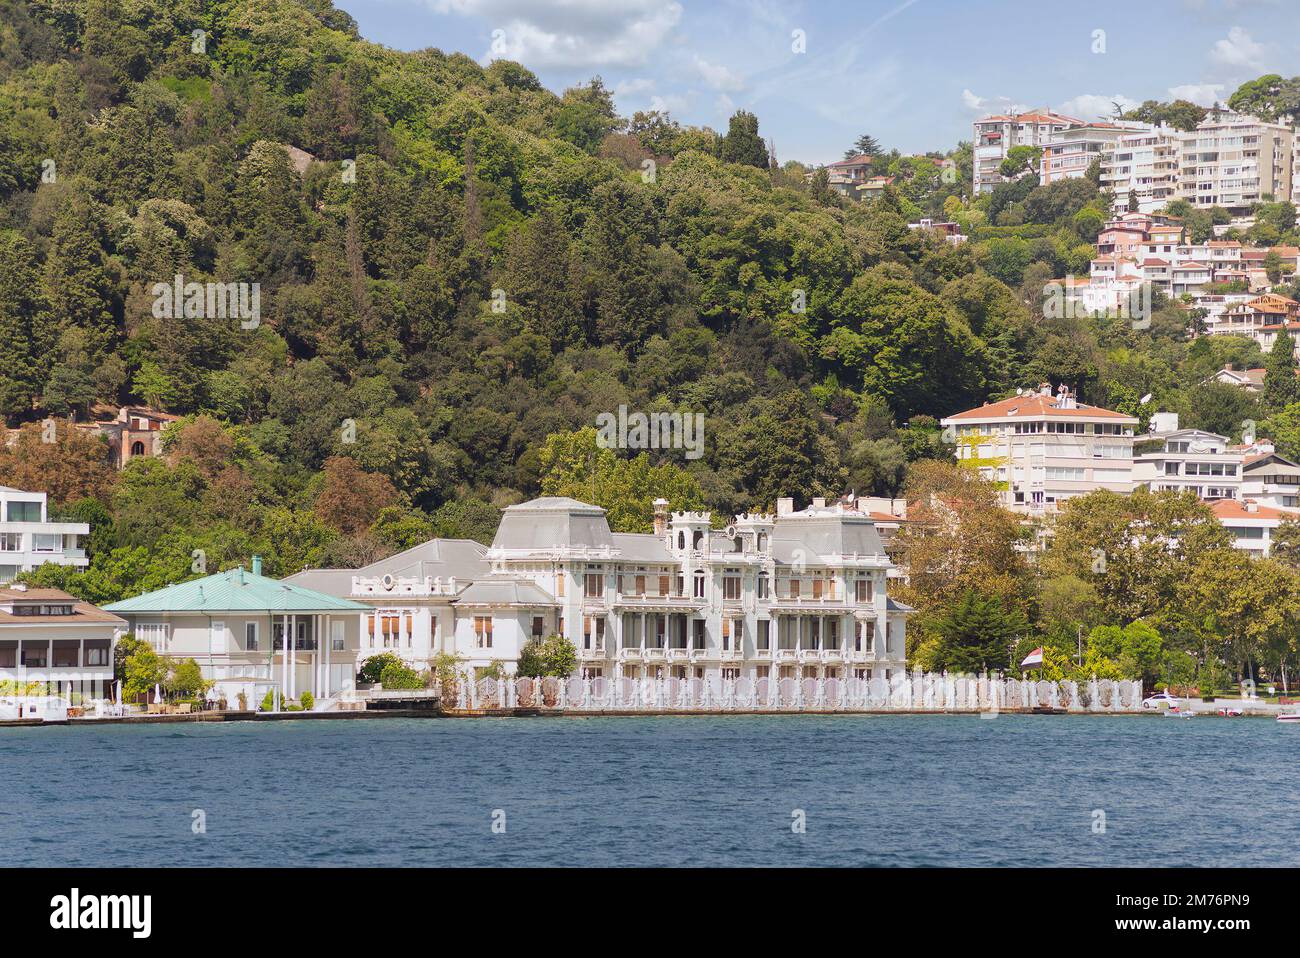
column 284, row 652
column 315, row 655
column 329, row 639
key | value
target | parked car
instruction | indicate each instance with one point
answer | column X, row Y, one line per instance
column 1161, row 700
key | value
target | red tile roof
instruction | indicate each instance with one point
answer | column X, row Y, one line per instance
column 1037, row 406
column 1232, row 509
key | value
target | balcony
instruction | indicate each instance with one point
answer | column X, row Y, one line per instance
column 592, row 655
column 656, row 601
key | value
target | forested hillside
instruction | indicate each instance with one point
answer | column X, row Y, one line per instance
column 459, row 270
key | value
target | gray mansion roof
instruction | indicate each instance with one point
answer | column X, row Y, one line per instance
column 553, row 522
column 556, row 524
column 803, row 536
column 445, row 558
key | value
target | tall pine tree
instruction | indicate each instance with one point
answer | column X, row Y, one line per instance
column 1281, row 388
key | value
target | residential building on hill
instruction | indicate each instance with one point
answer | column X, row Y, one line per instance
column 131, row 431
column 995, row 135
column 1145, row 163
column 29, row 539
column 1169, row 459
column 1270, row 479
column 1044, row 449
column 1234, row 161
column 1251, row 525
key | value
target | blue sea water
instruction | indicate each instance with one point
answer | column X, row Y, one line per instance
column 701, row 791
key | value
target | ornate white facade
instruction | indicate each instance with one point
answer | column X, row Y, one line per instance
column 799, row 594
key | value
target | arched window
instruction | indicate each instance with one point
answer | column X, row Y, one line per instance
column 137, row 448
column 681, row 540
column 699, row 584
column 698, row 540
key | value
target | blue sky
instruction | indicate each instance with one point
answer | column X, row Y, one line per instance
column 912, row 73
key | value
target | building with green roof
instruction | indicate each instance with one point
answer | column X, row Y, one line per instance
column 235, row 624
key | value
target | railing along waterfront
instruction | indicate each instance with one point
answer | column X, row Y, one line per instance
column 909, row 692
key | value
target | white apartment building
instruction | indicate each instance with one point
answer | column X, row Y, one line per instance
column 797, row 594
column 1235, row 161
column 1144, row 162
column 28, row 539
column 1251, row 525
column 1270, row 479
column 1068, row 154
column 995, row 135
column 1043, row 449
column 1170, row 459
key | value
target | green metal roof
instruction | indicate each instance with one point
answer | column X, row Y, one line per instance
column 235, row 590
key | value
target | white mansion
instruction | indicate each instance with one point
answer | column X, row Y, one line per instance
column 798, row 594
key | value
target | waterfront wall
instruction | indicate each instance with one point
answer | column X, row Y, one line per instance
column 912, row 692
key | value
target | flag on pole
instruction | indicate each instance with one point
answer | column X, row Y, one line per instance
column 1034, row 659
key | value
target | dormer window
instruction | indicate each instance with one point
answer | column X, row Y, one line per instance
column 33, row 610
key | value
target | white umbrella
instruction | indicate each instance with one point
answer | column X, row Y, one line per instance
column 119, row 692
column 157, row 692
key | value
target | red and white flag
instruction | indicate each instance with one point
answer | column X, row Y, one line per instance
column 1033, row 659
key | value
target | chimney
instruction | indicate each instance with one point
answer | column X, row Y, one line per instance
column 819, row 502
column 661, row 517
column 1044, row 389
column 1252, row 505
column 257, row 565
column 784, row 507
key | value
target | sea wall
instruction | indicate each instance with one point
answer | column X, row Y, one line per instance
column 911, row 692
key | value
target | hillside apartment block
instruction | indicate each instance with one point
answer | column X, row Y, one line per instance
column 1043, row 449
column 1230, row 160
column 28, row 538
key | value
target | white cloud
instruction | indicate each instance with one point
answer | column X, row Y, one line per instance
column 633, row 87
column 571, row 33
column 1096, row 106
column 1238, row 50
column 1202, row 94
column 718, row 76
column 991, row 104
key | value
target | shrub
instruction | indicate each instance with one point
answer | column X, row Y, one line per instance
column 308, row 701
column 373, row 668
column 397, row 675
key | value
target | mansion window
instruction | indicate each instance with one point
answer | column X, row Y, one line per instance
column 250, row 636
column 593, row 585
column 731, row 587
column 699, row 585
column 864, row 637
column 795, row 588
column 539, row 626
column 764, row 637
column 593, row 632
column 764, row 586
column 864, row 589
column 730, row 634
column 483, row 631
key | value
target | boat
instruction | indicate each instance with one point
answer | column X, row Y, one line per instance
column 1289, row 717
column 1176, row 712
